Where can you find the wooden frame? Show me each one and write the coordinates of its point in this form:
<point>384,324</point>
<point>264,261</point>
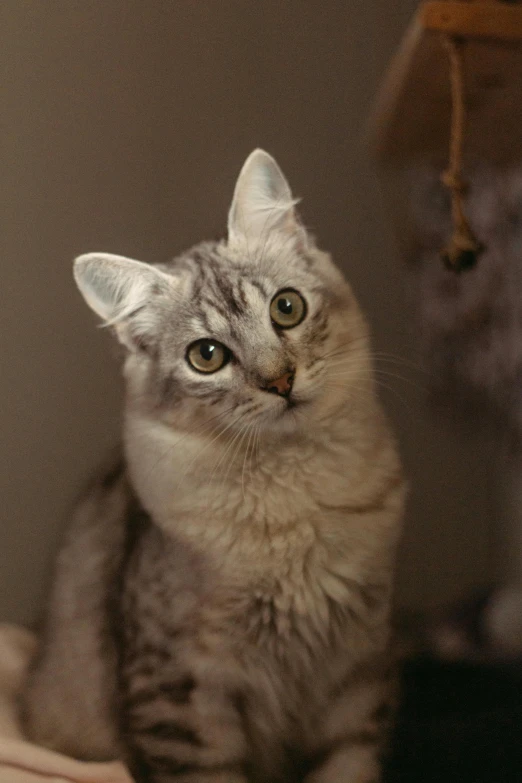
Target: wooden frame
<point>411,118</point>
<point>473,20</point>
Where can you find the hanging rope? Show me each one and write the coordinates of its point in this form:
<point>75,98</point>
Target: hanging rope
<point>463,248</point>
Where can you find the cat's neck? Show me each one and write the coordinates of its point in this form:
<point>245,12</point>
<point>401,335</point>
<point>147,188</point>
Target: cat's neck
<point>180,475</point>
<point>271,511</point>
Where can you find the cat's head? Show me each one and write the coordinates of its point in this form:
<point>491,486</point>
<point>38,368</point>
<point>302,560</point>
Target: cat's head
<point>259,328</point>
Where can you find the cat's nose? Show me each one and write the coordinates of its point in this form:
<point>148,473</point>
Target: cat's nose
<point>282,385</point>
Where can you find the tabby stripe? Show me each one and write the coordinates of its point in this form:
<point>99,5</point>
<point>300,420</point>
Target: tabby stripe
<point>383,712</point>
<point>170,766</point>
<point>260,287</point>
<point>168,730</point>
<point>241,292</point>
<point>177,692</point>
<point>150,696</point>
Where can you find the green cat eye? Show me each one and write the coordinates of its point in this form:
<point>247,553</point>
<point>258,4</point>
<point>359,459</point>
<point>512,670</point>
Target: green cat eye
<point>287,309</point>
<point>207,355</point>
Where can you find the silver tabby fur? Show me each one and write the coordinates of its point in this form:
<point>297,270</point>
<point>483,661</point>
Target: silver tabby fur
<point>220,611</point>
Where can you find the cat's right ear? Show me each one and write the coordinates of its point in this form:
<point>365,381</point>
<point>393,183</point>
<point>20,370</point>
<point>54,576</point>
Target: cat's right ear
<point>263,202</point>
<point>124,293</point>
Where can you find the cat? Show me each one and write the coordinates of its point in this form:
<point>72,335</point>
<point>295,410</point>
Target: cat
<point>220,609</point>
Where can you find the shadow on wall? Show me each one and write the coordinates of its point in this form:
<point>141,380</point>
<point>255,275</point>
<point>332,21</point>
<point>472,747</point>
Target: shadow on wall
<point>126,125</point>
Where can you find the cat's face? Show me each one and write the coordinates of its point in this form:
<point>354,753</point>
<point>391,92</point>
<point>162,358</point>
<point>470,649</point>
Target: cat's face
<point>258,331</point>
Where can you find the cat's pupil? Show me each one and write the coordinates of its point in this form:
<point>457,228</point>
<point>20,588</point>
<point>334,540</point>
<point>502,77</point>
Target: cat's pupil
<point>207,351</point>
<point>284,305</point>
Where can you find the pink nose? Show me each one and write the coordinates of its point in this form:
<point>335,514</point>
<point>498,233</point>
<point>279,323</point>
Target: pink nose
<point>282,385</point>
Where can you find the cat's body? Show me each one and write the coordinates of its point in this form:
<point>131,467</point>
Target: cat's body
<point>227,618</point>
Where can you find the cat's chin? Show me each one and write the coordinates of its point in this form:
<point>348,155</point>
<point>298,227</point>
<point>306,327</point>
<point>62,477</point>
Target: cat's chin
<point>287,419</point>
<point>285,424</point>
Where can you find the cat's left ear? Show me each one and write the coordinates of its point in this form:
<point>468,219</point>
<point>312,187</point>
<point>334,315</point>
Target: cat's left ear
<point>262,202</point>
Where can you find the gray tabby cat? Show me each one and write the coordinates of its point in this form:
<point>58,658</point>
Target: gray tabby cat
<point>220,610</point>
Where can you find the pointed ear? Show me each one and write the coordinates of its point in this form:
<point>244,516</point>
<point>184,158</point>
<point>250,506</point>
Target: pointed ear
<point>262,201</point>
<point>124,293</point>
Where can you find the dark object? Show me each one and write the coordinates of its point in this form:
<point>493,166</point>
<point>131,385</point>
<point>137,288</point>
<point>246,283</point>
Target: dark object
<point>464,260</point>
<point>459,723</point>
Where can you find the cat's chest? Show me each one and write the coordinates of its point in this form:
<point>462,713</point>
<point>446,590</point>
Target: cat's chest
<point>278,502</point>
<point>272,541</point>
<point>276,590</point>
<point>274,618</point>
<point>174,600</point>
<point>269,534</point>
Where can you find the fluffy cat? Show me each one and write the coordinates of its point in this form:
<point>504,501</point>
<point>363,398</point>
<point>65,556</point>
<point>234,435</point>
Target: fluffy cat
<point>220,610</point>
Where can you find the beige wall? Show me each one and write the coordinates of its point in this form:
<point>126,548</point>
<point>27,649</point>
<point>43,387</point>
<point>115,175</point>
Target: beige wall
<point>123,127</point>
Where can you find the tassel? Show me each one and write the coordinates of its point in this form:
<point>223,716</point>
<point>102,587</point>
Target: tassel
<point>463,248</point>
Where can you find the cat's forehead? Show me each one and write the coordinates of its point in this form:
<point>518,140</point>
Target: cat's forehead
<point>227,295</point>
<point>231,276</point>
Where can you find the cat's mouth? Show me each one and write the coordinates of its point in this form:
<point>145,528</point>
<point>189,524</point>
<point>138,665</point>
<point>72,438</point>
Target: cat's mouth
<point>291,404</point>
<point>283,408</point>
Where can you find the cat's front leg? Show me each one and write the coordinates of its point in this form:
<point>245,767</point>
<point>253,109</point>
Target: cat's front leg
<point>355,729</point>
<point>185,732</point>
<point>355,762</point>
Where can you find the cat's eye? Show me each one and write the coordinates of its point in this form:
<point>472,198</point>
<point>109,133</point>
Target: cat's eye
<point>287,309</point>
<point>207,355</point>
